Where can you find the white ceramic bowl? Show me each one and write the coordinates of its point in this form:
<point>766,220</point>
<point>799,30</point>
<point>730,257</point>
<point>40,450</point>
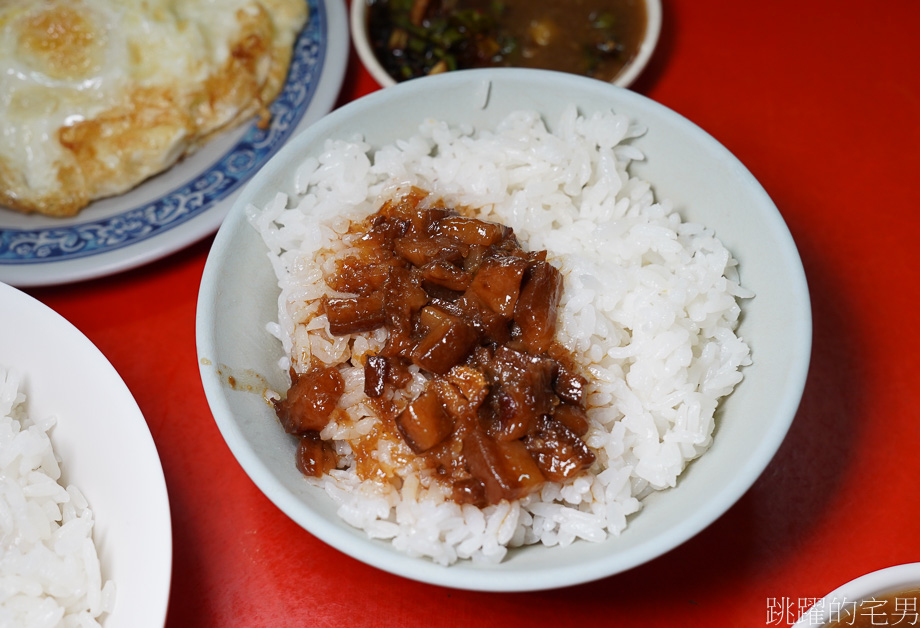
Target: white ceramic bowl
<point>625,78</point>
<point>834,605</point>
<point>105,448</point>
<point>239,295</point>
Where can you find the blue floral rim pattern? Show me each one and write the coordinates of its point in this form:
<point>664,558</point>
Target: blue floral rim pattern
<point>36,246</point>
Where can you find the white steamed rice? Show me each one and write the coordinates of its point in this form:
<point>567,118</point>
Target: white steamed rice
<point>49,567</point>
<point>650,308</point>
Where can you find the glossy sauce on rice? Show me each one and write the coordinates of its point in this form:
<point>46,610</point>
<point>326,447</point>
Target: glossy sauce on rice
<point>649,312</point>
<point>503,410</point>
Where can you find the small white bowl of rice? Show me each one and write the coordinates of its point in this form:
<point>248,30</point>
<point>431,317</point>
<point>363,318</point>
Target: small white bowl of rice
<point>684,304</point>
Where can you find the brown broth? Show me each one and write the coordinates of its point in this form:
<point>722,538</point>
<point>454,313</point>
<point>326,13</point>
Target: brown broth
<point>596,38</point>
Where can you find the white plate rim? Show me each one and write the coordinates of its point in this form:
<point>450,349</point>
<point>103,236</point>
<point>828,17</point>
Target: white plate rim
<point>40,251</point>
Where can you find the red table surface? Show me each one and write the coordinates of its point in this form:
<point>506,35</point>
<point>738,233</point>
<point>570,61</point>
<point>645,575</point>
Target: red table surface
<point>820,100</point>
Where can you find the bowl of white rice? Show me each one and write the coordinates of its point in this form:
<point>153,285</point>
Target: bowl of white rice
<point>684,303</point>
<point>85,531</point>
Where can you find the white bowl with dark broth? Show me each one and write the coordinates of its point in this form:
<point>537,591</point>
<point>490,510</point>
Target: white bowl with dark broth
<point>242,361</point>
<point>887,597</point>
<point>611,40</point>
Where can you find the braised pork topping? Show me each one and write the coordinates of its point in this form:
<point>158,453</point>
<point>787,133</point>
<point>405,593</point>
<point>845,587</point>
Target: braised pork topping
<point>504,407</point>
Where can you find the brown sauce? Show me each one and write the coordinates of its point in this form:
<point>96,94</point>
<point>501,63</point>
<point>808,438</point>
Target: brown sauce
<point>895,609</point>
<point>504,407</point>
<point>596,38</point>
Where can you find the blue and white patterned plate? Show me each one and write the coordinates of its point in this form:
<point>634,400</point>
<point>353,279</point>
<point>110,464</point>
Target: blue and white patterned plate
<point>189,201</point>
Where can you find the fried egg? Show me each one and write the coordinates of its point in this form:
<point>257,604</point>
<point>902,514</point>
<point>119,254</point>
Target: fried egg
<point>98,95</point>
